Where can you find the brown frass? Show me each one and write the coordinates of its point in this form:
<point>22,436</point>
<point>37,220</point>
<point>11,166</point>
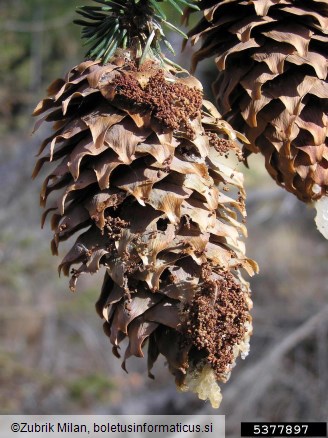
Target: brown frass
<point>172,104</point>
<point>216,321</point>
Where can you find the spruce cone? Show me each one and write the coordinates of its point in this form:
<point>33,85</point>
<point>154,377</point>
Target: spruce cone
<point>272,83</point>
<point>140,169</point>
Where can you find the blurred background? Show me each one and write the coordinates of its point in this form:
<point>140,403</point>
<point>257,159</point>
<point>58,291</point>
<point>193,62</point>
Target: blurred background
<point>54,357</point>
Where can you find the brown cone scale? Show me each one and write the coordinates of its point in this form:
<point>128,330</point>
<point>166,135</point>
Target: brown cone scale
<point>272,83</point>
<point>140,173</point>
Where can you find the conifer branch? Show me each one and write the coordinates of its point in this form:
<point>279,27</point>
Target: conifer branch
<point>134,24</point>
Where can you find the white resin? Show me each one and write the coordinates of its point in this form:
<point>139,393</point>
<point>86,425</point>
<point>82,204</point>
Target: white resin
<point>203,383</point>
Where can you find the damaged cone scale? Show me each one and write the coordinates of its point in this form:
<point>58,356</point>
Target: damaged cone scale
<point>138,169</point>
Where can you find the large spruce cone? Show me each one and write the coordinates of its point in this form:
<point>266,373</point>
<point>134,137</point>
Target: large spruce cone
<point>141,171</point>
<point>272,83</point>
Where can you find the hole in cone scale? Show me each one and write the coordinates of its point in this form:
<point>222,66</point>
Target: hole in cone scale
<point>162,224</point>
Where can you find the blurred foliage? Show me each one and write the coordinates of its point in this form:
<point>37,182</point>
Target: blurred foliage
<point>91,387</point>
<point>38,41</point>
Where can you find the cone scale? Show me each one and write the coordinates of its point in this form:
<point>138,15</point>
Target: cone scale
<point>139,171</point>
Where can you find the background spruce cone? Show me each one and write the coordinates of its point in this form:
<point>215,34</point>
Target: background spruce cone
<point>272,83</point>
<point>141,170</point>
